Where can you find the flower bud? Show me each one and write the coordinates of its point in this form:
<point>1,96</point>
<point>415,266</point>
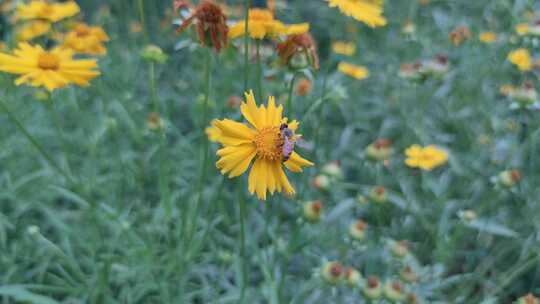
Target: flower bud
<point>467,215</point>
<point>332,272</point>
<point>154,122</point>
<point>352,276</point>
<point>225,256</point>
<point>373,289</point>
<point>321,182</point>
<point>400,249</point>
<point>408,275</point>
<point>362,199</point>
<point>393,291</point>
<point>357,230</point>
<point>509,178</point>
<point>528,299</point>
<point>378,194</point>
<point>333,169</point>
<point>313,210</point>
<point>380,150</point>
<point>154,53</point>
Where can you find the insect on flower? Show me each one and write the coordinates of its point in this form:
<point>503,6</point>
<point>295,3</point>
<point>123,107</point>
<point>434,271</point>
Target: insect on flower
<point>289,140</point>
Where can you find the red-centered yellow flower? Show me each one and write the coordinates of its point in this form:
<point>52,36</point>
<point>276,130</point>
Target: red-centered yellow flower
<point>53,12</point>
<point>86,39</point>
<point>521,58</point>
<point>425,158</point>
<point>262,142</point>
<point>261,24</point>
<point>355,71</point>
<point>33,30</point>
<point>366,11</point>
<point>50,69</point>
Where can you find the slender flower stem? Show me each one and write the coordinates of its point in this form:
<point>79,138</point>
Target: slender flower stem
<point>289,104</point>
<point>33,141</point>
<point>143,21</point>
<point>153,91</point>
<point>259,72</point>
<point>246,44</point>
<point>242,211</point>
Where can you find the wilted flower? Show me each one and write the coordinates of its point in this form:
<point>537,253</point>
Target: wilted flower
<point>154,53</point>
<point>509,178</point>
<point>357,230</point>
<point>210,20</point>
<point>332,272</point>
<point>488,37</point>
<point>521,58</point>
<point>261,24</point>
<point>459,35</point>
<point>303,87</point>
<point>373,289</point>
<point>344,48</point>
<point>355,71</point>
<point>313,210</point>
<point>378,194</point>
<point>425,158</point>
<point>366,11</point>
<point>262,142</point>
<point>50,69</point>
<point>352,276</point>
<point>393,291</point>
<point>380,150</point>
<point>299,51</point>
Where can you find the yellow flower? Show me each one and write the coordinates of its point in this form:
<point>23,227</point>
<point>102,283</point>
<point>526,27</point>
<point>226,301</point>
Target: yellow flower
<point>213,132</point>
<point>367,11</point>
<point>33,30</point>
<point>344,48</point>
<point>522,29</point>
<point>521,58</point>
<point>356,71</point>
<point>51,69</point>
<point>86,39</point>
<point>262,142</point>
<point>425,158</point>
<point>488,37</point>
<point>261,24</point>
<point>53,12</point>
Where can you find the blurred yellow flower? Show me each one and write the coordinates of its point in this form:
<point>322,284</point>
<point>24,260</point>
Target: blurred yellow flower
<point>33,30</point>
<point>522,29</point>
<point>521,58</point>
<point>366,11</point>
<point>344,48</point>
<point>261,24</point>
<point>487,37</point>
<point>356,71</point>
<point>213,132</point>
<point>53,12</point>
<point>86,39</point>
<point>264,141</point>
<point>425,158</point>
<point>50,69</point>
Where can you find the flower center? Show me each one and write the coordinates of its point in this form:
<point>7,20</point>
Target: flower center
<point>268,143</point>
<point>82,31</point>
<point>48,61</point>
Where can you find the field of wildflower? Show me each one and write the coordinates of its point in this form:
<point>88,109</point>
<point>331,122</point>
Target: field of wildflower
<point>251,151</point>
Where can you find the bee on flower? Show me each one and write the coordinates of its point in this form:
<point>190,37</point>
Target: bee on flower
<point>268,142</point>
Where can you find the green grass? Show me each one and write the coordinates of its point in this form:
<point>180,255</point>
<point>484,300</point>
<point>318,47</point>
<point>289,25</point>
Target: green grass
<point>126,224</point>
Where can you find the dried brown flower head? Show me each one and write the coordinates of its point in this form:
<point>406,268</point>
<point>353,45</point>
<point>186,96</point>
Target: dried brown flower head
<point>299,44</point>
<point>209,19</point>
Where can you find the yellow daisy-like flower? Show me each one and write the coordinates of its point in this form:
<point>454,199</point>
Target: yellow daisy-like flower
<point>488,37</point>
<point>356,71</point>
<point>213,132</point>
<point>425,158</point>
<point>261,24</point>
<point>521,58</point>
<point>53,12</point>
<point>263,142</point>
<point>344,48</point>
<point>50,69</point>
<point>33,30</point>
<point>86,39</point>
<point>522,29</point>
<point>367,11</point>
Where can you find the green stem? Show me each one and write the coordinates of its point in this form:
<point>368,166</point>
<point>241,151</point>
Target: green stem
<point>153,91</point>
<point>259,72</point>
<point>290,97</point>
<point>246,44</point>
<point>143,22</point>
<point>244,263</point>
<point>33,141</point>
